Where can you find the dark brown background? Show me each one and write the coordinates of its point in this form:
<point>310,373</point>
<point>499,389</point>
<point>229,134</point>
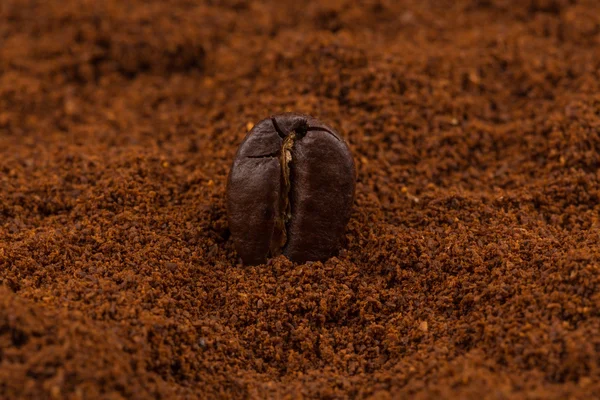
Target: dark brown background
<point>472,266</point>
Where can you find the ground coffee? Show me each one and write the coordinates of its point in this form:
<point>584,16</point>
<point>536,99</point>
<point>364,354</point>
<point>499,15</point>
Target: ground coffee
<point>471,268</point>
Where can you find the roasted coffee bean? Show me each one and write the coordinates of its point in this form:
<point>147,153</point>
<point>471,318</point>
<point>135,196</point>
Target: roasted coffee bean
<point>290,190</point>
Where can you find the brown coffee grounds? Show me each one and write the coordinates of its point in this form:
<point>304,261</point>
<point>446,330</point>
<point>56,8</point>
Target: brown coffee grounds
<point>472,260</point>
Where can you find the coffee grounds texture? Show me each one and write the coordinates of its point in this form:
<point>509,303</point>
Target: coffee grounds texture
<point>471,264</point>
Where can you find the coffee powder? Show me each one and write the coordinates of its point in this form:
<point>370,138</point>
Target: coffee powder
<point>471,260</point>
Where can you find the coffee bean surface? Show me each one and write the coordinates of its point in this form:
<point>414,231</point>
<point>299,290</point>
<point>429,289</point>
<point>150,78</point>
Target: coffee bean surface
<point>290,190</point>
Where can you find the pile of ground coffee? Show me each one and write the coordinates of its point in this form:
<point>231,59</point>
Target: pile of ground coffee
<point>471,266</point>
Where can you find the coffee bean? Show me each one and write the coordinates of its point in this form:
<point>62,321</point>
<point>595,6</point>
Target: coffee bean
<point>290,190</point>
